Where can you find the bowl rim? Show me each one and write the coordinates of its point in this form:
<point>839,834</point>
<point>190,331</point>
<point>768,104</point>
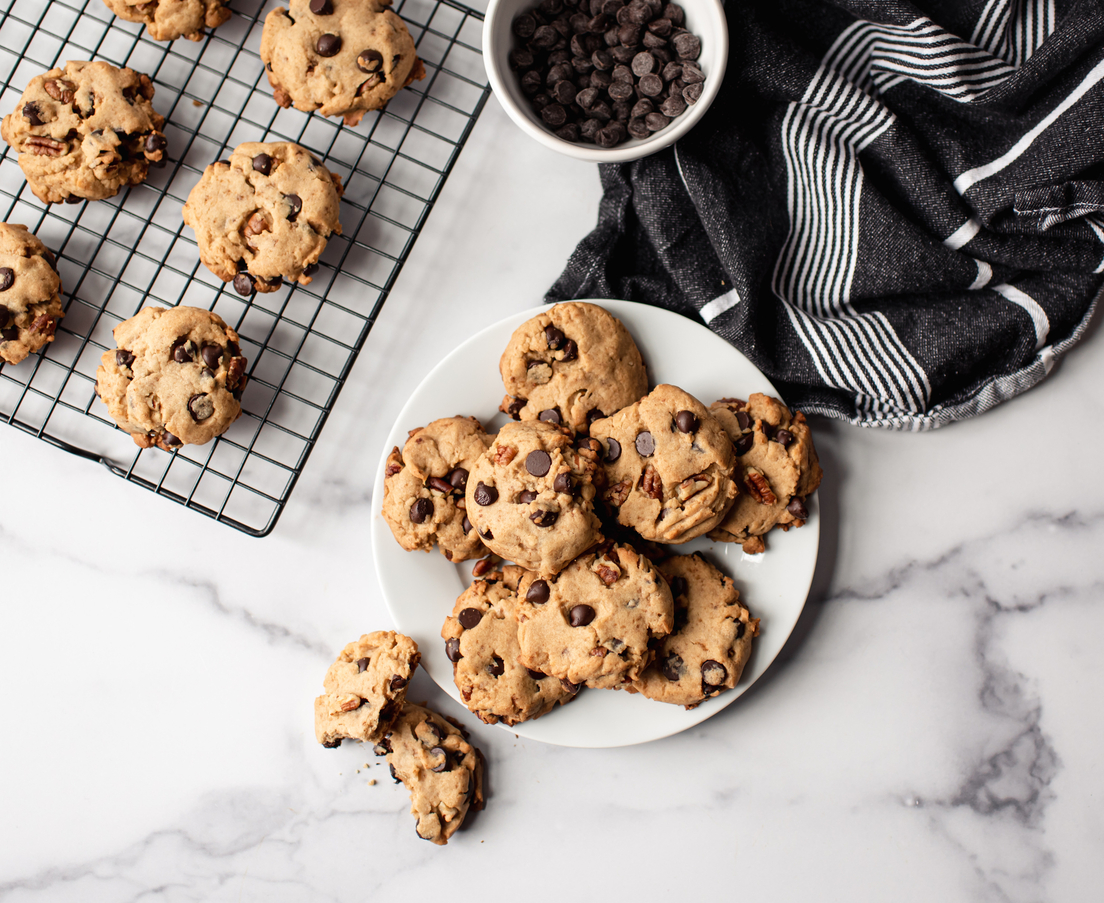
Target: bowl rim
<point>714,22</point>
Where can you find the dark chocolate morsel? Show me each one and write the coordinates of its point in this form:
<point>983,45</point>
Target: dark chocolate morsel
<point>581,615</point>
<point>458,478</point>
<point>538,462</point>
<point>536,675</point>
<point>156,142</point>
<point>211,354</point>
<point>743,419</point>
<point>563,483</point>
<point>398,682</point>
<point>544,518</point>
<point>469,617</point>
<point>444,764</point>
<point>552,415</point>
<point>714,674</point>
<point>295,203</point>
<point>440,485</point>
<point>170,439</point>
<point>7,278</point>
<point>537,592</point>
<point>180,352</point>
<point>687,421</point>
<point>496,667</point>
<point>678,586</point>
<point>526,496</point>
<point>32,113</point>
<point>321,7</point>
<point>452,650</point>
<point>613,450</point>
<point>784,438</point>
<point>743,445</point>
<point>645,444</point>
<point>362,665</point>
<point>466,526</point>
<point>797,508</point>
<point>123,358</point>
<point>328,45</point>
<point>370,61</point>
<point>485,495</point>
<point>672,667</point>
<point>420,510</point>
<point>200,406</point>
<point>262,163</point>
<point>243,285</point>
<point>570,351</point>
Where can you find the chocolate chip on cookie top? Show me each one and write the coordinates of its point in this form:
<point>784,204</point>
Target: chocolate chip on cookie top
<point>30,306</point>
<point>264,215</point>
<point>572,364</point>
<point>176,378</point>
<point>339,57</point>
<point>85,131</point>
<point>596,622</point>
<point>167,20</point>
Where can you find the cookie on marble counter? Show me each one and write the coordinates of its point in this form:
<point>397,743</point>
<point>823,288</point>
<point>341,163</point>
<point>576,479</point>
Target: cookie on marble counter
<point>423,488</point>
<point>176,378</point>
<point>264,215</point>
<point>571,364</point>
<point>30,305</point>
<point>167,20</point>
<point>776,465</point>
<point>481,642</point>
<point>706,652</point>
<point>531,496</point>
<point>85,131</point>
<point>668,465</point>
<point>442,770</point>
<point>365,688</point>
<point>597,622</point>
<point>339,57</point>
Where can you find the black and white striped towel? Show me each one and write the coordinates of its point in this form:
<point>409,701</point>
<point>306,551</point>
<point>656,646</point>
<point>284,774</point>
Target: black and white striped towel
<point>894,209</point>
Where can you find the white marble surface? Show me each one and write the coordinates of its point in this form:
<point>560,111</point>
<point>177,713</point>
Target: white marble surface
<point>930,732</point>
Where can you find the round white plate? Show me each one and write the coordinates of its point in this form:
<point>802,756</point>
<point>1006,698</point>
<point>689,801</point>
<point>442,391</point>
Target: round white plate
<point>420,588</point>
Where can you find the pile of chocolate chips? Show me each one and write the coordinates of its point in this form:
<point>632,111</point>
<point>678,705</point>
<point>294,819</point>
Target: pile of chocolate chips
<point>605,70</point>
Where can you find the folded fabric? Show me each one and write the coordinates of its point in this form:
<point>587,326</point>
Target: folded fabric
<point>895,210</point>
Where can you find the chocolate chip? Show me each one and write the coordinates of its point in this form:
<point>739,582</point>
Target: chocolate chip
<point>328,45</point>
<point>201,407</point>
<point>156,142</point>
<point>32,113</point>
<point>420,510</point>
<point>211,354</point>
<point>243,285</point>
<point>687,422</point>
<point>485,495</point>
<point>526,497</point>
<point>486,534</point>
<point>743,420</point>
<point>613,450</point>
<point>537,592</point>
<point>743,445</point>
<point>678,586</point>
<point>458,478</point>
<point>371,61</point>
<point>295,203</point>
<point>784,438</point>
<point>581,615</point>
<point>331,744</point>
<point>544,518</point>
<point>645,444</point>
<point>687,46</point>
<point>538,462</point>
<point>398,682</point>
<point>180,352</point>
<point>496,667</point>
<point>714,674</point>
<point>444,764</point>
<point>170,439</point>
<point>554,337</point>
<point>10,334</point>
<point>7,278</point>
<point>536,675</point>
<point>797,508</point>
<point>552,415</point>
<point>672,667</point>
<point>469,617</point>
<point>452,650</point>
<point>569,686</point>
<point>563,482</point>
<point>466,526</point>
<point>321,7</point>
<point>440,485</point>
<point>362,665</point>
<point>6,318</point>
<point>571,351</point>
<point>262,163</point>
<point>692,93</point>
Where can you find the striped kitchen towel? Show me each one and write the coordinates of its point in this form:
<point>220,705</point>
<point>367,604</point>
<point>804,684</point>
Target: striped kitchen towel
<point>894,209</point>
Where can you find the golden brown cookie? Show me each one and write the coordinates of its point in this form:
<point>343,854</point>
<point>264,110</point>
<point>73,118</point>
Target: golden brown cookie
<point>30,306</point>
<point>167,20</point>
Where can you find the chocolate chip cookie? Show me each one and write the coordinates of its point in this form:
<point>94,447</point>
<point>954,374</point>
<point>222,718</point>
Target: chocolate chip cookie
<point>596,623</point>
<point>264,215</point>
<point>85,131</point>
<point>531,496</point>
<point>440,768</point>
<point>176,378</point>
<point>571,364</point>
<point>668,465</point>
<point>30,306</point>
<point>167,20</point>
<point>339,57</point>
<point>365,688</point>
<point>776,465</point>
<point>423,488</point>
<point>481,642</point>
<point>706,652</point>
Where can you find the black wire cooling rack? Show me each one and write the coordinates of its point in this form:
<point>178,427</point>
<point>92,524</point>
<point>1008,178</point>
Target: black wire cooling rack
<point>117,256</point>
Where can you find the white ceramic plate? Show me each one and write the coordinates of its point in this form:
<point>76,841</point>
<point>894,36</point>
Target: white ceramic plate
<point>420,588</point>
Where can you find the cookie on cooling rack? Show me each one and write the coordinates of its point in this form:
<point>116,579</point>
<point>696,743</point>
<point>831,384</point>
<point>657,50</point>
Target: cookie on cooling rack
<point>167,20</point>
<point>85,131</point>
<point>339,57</point>
<point>30,306</point>
<point>176,378</point>
<point>264,215</point>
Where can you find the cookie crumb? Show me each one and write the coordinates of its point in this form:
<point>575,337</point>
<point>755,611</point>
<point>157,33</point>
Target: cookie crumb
<point>372,782</point>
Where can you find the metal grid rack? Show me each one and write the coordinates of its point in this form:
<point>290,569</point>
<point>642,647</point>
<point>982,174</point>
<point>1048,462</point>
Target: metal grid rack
<point>119,255</point>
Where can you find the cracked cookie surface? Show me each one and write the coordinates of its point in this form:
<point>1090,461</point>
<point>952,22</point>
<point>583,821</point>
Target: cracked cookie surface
<point>571,364</point>
<point>424,484</point>
<point>365,688</point>
<point>30,305</point>
<point>85,131</point>
<point>776,465</point>
<point>264,215</point>
<point>339,57</point>
<point>167,20</point>
<point>176,378</point>
<point>668,464</point>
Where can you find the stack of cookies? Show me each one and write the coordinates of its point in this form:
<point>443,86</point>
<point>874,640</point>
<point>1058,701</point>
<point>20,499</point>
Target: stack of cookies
<point>582,497</point>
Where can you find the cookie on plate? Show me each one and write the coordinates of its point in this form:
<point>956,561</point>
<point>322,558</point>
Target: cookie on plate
<point>176,378</point>
<point>339,57</point>
<point>85,131</point>
<point>597,622</point>
<point>776,465</point>
<point>531,496</point>
<point>423,488</point>
<point>706,652</point>
<point>365,688</point>
<point>264,215</point>
<point>572,363</point>
<point>30,306</point>
<point>442,770</point>
<point>668,465</point>
<point>481,642</point>
<point>167,20</point>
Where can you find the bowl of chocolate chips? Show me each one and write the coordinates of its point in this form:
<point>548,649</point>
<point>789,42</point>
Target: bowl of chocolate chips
<point>605,80</point>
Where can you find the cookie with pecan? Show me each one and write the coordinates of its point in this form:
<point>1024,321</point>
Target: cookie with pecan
<point>30,306</point>
<point>167,20</point>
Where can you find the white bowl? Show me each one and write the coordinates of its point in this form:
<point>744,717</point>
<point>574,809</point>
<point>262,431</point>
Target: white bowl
<point>704,18</point>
